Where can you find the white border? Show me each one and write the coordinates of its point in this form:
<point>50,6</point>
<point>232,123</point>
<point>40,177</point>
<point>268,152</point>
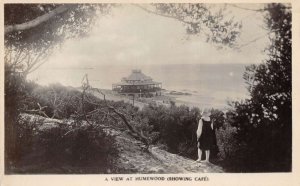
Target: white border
<point>241,179</point>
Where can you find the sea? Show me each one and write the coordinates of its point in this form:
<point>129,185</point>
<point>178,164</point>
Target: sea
<point>209,85</point>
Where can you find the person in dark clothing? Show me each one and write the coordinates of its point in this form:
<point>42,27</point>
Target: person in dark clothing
<point>205,135</point>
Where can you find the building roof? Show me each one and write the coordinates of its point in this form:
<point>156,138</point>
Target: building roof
<point>137,75</point>
<point>137,78</point>
<point>137,83</point>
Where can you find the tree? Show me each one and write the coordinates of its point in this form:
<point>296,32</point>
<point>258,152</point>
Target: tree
<point>264,122</point>
<point>207,20</point>
<point>32,31</point>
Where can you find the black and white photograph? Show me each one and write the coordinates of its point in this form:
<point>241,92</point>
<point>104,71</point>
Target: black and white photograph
<point>147,88</point>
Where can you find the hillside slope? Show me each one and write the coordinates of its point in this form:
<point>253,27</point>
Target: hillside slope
<point>133,158</point>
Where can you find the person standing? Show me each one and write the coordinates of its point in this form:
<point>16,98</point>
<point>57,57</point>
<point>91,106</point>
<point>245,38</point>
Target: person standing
<point>205,135</point>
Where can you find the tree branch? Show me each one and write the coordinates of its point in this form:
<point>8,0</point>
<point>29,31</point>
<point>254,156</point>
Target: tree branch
<point>125,121</point>
<point>163,15</point>
<point>253,40</point>
<point>38,111</point>
<point>256,10</point>
<point>37,21</point>
<point>134,132</point>
<point>39,60</point>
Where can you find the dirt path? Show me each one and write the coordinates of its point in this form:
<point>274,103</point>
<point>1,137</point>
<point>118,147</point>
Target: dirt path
<point>134,160</point>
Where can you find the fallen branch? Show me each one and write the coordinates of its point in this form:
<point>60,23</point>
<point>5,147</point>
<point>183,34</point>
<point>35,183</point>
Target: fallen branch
<point>39,111</point>
<point>134,132</point>
<point>124,119</point>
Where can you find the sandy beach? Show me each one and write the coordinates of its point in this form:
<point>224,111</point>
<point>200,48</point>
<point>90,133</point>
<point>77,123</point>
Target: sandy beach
<point>188,98</point>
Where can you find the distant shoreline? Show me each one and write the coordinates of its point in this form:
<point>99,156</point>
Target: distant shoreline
<point>168,96</point>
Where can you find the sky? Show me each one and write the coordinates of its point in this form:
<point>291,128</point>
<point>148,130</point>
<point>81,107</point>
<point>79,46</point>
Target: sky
<point>132,37</point>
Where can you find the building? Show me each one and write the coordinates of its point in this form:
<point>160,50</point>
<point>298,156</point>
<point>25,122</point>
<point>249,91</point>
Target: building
<point>138,84</point>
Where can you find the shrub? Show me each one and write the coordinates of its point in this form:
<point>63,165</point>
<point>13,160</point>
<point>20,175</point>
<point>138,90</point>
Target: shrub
<point>59,101</point>
<point>176,127</point>
<point>51,147</point>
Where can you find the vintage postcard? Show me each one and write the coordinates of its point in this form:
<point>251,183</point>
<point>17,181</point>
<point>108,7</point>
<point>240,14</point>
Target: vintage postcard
<point>104,93</point>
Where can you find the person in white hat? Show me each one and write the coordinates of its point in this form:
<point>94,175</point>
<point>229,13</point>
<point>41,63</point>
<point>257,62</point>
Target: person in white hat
<point>205,135</point>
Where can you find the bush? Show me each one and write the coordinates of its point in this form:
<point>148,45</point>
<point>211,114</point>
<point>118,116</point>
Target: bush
<point>229,147</point>
<point>30,149</point>
<point>51,147</point>
<point>59,101</point>
<point>266,144</point>
<point>176,127</point>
